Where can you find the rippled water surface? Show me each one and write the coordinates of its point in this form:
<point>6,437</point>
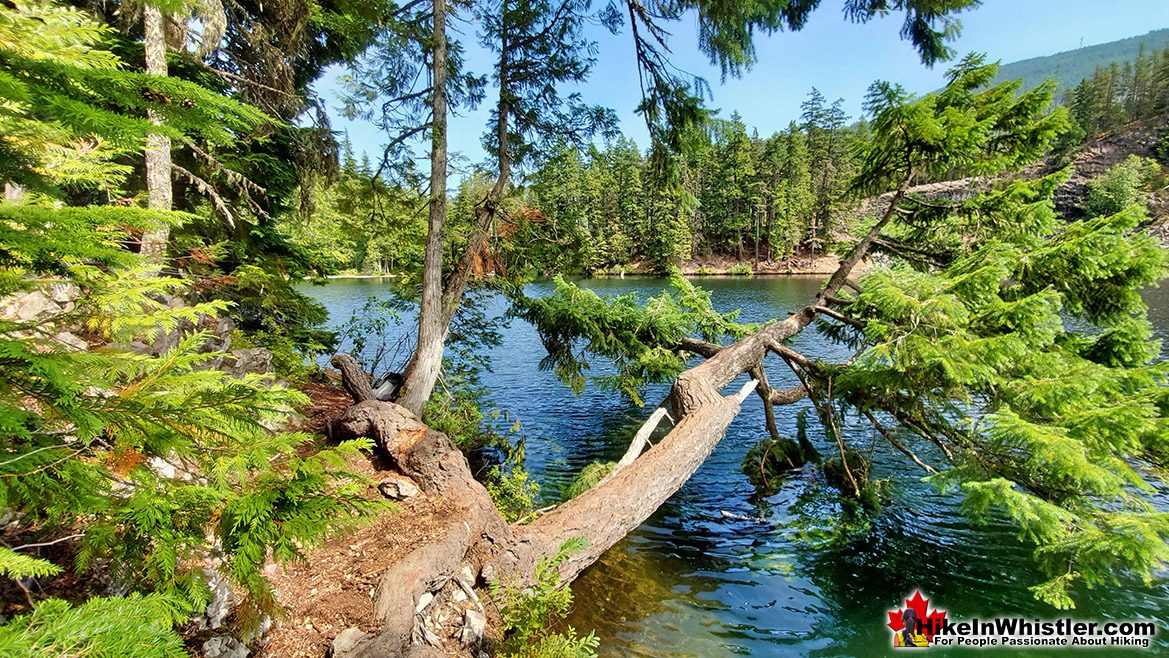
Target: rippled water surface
<point>717,572</point>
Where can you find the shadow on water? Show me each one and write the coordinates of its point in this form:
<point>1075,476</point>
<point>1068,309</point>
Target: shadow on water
<point>717,571</point>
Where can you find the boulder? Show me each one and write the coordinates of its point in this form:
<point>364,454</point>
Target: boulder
<point>397,488</point>
<point>249,360</point>
<point>347,641</point>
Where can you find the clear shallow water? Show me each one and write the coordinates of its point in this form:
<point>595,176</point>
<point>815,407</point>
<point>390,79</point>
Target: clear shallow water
<point>692,581</point>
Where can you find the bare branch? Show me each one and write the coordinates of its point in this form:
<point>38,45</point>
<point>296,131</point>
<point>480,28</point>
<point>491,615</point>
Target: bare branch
<point>206,189</point>
<point>837,315</point>
<point>699,347</point>
<point>893,441</point>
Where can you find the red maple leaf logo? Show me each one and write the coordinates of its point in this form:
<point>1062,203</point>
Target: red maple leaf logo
<point>931,620</point>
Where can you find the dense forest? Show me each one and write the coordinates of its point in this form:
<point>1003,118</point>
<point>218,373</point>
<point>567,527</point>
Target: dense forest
<point>1069,67</point>
<point>742,203</point>
<point>173,447</point>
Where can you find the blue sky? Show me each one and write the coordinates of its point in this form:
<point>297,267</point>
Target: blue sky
<point>839,58</point>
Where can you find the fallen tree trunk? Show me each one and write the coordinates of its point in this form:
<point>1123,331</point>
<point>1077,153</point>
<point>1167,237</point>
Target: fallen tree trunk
<point>606,513</point>
<point>477,535</point>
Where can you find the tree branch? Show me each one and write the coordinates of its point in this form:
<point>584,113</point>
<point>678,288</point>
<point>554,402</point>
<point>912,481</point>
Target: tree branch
<point>837,315</point>
<point>353,378</point>
<point>699,347</point>
<point>885,432</point>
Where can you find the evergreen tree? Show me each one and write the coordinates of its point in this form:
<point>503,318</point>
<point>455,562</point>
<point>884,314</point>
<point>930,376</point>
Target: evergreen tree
<point>155,467</point>
<point>1004,352</point>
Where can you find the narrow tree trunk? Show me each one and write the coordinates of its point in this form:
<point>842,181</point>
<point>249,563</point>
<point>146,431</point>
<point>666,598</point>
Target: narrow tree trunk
<point>440,302</point>
<point>476,535</point>
<point>423,370</point>
<point>769,232</point>
<point>758,221</point>
<point>158,159</point>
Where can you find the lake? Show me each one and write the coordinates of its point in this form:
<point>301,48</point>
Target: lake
<point>769,577</point>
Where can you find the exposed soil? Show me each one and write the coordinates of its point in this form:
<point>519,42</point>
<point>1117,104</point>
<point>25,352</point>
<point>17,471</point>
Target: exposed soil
<point>328,401</point>
<point>334,587</point>
<point>717,265</point>
<point>68,585</point>
<point>799,264</point>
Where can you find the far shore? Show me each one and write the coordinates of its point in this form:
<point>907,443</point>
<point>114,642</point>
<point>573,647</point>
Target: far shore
<point>820,266</point>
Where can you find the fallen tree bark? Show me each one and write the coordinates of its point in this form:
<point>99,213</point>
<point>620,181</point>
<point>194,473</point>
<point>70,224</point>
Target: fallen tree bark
<point>477,535</point>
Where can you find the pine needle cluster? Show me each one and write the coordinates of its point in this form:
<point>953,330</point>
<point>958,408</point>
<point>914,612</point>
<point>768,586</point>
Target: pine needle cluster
<point>165,470</point>
<point>1012,349</point>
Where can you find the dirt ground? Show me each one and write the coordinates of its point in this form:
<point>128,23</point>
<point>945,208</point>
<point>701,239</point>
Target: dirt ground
<point>333,588</point>
<point>803,264</point>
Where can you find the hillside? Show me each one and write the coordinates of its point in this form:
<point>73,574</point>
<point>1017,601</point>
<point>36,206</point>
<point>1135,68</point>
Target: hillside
<point>1071,66</point>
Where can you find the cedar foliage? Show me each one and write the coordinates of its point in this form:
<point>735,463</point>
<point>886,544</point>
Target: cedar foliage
<point>643,342</point>
<point>159,466</point>
<point>1019,358</point>
<point>1005,348</point>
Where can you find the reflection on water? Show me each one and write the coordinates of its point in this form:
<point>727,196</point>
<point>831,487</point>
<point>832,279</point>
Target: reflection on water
<point>771,579</point>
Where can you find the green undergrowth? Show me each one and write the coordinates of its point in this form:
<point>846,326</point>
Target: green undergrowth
<point>529,613</point>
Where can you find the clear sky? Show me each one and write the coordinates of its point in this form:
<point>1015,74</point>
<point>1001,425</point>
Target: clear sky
<point>841,59</point>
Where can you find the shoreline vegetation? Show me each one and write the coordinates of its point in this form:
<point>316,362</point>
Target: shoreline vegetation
<point>170,177</point>
<point>699,267</point>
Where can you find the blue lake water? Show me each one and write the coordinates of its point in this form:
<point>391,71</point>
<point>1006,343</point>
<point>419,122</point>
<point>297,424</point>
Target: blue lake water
<point>765,578</point>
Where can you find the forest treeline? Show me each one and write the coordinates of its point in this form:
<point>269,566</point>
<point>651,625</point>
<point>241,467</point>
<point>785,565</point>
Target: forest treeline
<point>171,180</point>
<point>1119,93</point>
<point>155,157</point>
<point>737,196</point>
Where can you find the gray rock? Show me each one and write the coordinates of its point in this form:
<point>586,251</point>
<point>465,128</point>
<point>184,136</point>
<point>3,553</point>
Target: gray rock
<point>71,341</point>
<point>250,360</point>
<point>467,575</point>
<point>423,602</point>
<point>397,488</point>
<point>260,635</point>
<point>347,641</point>
<point>219,330</point>
<point>487,575</point>
<point>221,603</point>
<point>474,628</point>
<point>64,292</point>
<point>31,306</point>
<point>168,341</point>
<point>224,646</point>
